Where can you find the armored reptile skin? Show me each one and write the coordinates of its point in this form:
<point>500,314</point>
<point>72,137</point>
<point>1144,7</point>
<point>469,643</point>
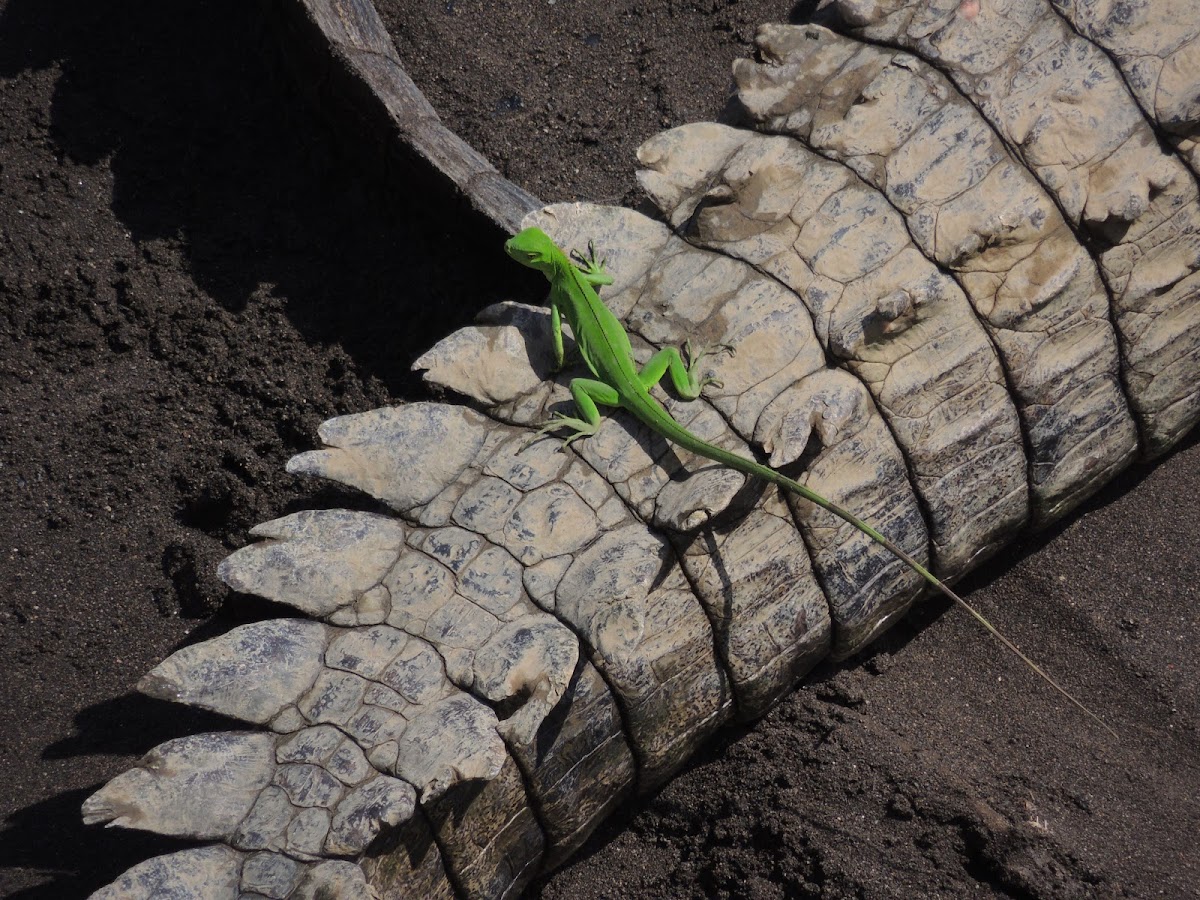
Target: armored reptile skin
<point>969,305</point>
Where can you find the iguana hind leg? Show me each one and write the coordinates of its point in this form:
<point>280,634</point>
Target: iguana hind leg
<point>684,379</point>
<point>588,394</point>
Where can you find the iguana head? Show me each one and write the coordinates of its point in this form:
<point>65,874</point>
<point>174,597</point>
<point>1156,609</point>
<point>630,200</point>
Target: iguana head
<point>533,247</point>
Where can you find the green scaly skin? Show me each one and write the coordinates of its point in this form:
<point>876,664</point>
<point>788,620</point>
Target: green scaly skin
<point>605,348</point>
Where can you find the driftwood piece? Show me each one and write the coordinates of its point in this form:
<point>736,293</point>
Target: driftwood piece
<point>342,51</point>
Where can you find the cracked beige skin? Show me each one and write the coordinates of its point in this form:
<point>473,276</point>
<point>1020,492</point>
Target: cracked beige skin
<point>527,637</point>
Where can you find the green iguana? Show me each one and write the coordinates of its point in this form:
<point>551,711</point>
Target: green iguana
<point>606,350</point>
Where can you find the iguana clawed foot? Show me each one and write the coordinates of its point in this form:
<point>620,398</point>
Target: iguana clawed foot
<point>694,358</point>
<point>579,428</point>
<point>593,269</point>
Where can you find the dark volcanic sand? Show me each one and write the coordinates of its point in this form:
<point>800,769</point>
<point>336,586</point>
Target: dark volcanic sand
<point>193,276</point>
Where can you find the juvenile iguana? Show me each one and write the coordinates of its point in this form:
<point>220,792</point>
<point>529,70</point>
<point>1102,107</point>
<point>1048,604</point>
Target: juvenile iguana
<point>606,350</point>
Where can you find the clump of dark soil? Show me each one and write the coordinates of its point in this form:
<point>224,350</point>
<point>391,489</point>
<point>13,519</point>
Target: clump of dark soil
<point>194,274</point>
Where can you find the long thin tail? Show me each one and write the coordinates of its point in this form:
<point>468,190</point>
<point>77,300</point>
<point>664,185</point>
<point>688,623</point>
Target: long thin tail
<point>689,441</point>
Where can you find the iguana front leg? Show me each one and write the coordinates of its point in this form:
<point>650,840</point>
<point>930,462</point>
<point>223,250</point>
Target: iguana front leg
<point>591,269</point>
<point>556,336</point>
<point>683,375</point>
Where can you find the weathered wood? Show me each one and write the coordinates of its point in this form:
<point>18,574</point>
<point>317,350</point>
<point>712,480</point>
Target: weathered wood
<point>344,55</point>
